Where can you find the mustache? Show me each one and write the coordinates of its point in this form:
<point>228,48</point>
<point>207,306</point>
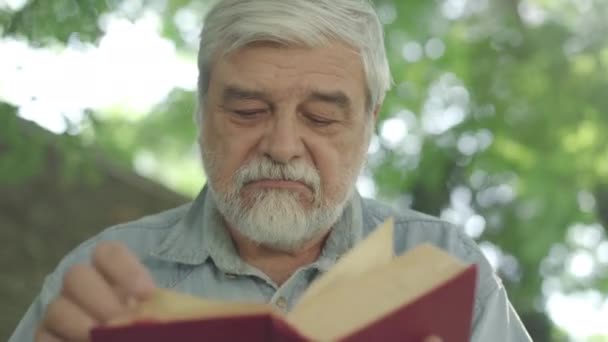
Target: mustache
<point>267,169</point>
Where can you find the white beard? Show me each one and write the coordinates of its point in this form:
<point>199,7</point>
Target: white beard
<point>275,218</point>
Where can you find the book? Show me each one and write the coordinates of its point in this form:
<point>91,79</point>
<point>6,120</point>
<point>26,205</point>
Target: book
<point>368,295</point>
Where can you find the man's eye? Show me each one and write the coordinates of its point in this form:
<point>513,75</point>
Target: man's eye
<point>318,121</point>
<point>248,113</point>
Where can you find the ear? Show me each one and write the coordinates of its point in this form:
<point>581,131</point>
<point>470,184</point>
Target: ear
<point>376,113</point>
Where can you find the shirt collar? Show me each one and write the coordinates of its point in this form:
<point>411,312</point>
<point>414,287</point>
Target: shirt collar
<point>184,242</point>
<point>201,235</point>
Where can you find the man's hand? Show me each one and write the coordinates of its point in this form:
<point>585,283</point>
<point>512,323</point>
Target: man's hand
<point>93,294</point>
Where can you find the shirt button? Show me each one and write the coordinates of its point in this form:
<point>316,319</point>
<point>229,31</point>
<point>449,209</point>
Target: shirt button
<point>281,303</point>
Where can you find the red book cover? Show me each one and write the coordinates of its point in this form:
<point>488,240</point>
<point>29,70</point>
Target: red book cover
<point>262,327</point>
<point>445,311</point>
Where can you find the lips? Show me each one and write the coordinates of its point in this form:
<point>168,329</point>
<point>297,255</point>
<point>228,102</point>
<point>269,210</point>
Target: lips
<point>295,185</point>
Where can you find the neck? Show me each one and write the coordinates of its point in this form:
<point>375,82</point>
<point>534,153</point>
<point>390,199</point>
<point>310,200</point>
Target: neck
<point>277,264</point>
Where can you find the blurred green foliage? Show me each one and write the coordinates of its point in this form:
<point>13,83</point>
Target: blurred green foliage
<point>505,116</point>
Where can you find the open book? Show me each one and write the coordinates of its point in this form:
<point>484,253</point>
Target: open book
<point>369,295</point>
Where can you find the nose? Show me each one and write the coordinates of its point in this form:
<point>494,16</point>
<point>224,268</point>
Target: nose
<point>282,141</point>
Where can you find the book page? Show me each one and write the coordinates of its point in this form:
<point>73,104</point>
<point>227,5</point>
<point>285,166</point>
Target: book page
<point>167,305</point>
<point>375,250</point>
<point>354,303</point>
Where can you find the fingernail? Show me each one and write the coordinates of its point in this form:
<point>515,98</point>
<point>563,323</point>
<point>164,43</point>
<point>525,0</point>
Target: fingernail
<point>144,285</point>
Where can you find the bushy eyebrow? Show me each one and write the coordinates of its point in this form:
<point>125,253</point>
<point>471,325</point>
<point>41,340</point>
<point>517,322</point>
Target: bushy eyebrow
<point>233,92</point>
<point>337,98</point>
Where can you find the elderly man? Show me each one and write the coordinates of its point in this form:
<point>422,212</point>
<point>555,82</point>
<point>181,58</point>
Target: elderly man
<point>289,92</point>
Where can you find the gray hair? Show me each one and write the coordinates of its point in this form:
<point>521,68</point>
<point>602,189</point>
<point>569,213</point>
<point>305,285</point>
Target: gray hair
<point>234,24</point>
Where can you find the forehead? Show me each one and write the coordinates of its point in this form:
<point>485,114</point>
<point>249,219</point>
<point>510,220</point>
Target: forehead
<point>288,71</point>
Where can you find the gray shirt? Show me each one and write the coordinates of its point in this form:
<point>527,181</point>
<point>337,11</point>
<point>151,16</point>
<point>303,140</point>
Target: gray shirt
<point>188,249</point>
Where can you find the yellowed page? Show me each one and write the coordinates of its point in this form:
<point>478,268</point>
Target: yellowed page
<point>375,250</point>
<point>355,303</point>
<point>167,305</point>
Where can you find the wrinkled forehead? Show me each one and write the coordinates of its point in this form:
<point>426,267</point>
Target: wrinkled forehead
<point>277,69</point>
<point>233,24</point>
<point>295,68</point>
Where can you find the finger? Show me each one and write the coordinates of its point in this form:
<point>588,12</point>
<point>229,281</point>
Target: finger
<point>122,269</point>
<point>128,300</point>
<point>67,321</point>
<point>90,290</point>
<point>46,336</point>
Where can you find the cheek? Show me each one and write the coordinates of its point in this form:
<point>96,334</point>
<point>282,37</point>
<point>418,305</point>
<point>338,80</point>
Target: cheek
<point>338,165</point>
<point>343,159</point>
<point>229,148</point>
